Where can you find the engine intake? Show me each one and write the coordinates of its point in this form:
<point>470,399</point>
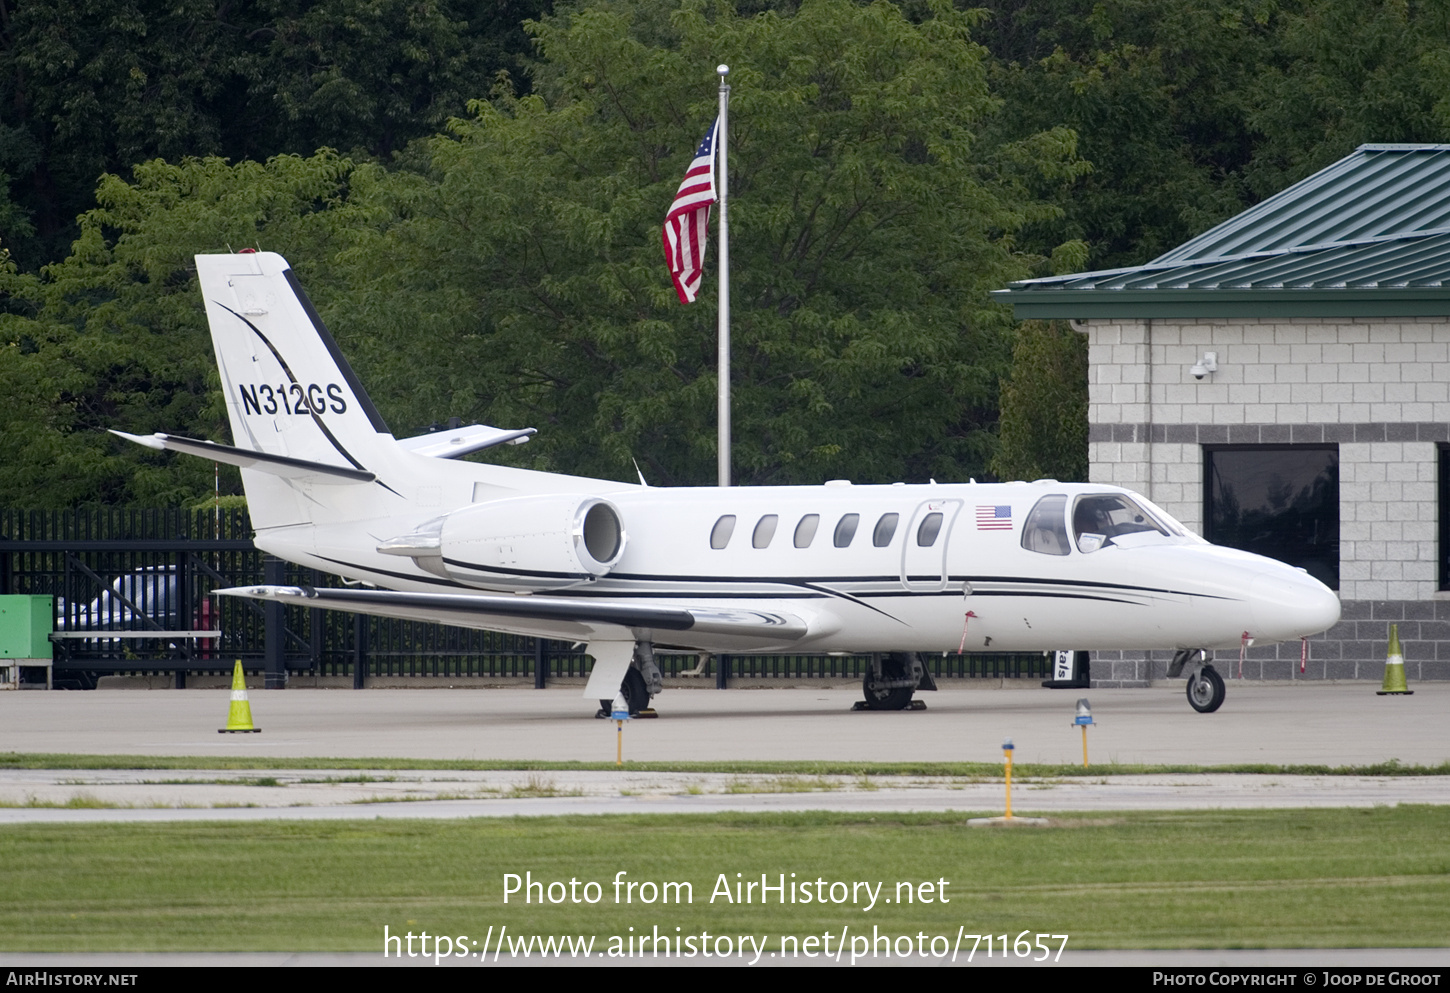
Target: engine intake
<point>544,542</point>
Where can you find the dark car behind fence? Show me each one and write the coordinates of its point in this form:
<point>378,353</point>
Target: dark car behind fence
<point>131,590</point>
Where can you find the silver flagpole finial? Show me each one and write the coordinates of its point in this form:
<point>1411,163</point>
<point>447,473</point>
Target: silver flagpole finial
<point>722,69</point>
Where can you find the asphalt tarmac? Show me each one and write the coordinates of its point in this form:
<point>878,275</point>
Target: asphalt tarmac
<point>1330,724</point>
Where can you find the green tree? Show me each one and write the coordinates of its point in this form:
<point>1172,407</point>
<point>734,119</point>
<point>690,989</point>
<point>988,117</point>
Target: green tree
<point>1044,406</point>
<point>518,277</point>
<point>115,336</point>
<point>1343,74</point>
<point>1155,91</point>
<point>513,273</point>
<point>95,86</point>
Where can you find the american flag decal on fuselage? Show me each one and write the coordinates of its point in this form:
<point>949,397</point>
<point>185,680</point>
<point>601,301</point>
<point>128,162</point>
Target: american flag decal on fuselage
<point>994,518</point>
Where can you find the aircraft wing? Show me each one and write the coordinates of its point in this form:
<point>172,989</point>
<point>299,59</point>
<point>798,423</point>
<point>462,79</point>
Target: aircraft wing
<point>567,617</point>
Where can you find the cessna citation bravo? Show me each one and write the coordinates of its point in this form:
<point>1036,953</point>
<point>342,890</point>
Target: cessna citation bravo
<point>893,571</point>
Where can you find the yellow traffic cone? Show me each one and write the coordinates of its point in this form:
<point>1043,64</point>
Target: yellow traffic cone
<point>239,717</point>
<point>1394,684</point>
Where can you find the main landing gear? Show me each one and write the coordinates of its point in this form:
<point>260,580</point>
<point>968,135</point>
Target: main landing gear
<point>891,679</point>
<point>1205,685</point>
<point>642,681</point>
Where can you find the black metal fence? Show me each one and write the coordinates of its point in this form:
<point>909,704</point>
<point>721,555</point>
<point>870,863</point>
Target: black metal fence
<point>132,595</point>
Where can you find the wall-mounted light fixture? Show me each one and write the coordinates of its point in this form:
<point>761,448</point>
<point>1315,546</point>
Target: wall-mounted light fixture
<point>1204,366</point>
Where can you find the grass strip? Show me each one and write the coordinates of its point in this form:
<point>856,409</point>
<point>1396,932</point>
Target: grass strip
<point>1189,879</point>
<point>58,760</point>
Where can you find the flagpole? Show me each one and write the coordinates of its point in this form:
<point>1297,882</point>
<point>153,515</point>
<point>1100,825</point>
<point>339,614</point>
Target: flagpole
<point>722,411</point>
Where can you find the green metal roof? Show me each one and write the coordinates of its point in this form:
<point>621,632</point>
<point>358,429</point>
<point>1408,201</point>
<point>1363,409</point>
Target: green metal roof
<point>1369,236</point>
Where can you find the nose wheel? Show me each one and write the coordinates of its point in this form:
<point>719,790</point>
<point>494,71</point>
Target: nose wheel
<point>1205,690</point>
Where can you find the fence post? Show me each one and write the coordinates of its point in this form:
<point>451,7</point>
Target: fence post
<point>722,671</point>
<point>359,650</point>
<point>274,574</point>
<point>541,664</point>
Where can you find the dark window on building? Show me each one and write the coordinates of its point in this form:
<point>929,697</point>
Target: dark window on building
<point>1445,517</point>
<point>1281,501</point>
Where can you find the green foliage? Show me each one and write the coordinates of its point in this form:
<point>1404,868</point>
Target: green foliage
<point>889,164</point>
<point>115,336</point>
<point>1154,91</point>
<point>1044,406</point>
<point>1192,110</point>
<point>514,274</point>
<point>93,86</point>
<point>524,279</point>
<point>1344,73</point>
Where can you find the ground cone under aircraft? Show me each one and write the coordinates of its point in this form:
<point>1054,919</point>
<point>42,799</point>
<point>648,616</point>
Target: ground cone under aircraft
<point>239,717</point>
<point>1394,684</point>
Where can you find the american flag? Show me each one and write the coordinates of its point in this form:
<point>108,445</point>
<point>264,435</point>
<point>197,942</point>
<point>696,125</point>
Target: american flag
<point>994,518</point>
<point>685,224</point>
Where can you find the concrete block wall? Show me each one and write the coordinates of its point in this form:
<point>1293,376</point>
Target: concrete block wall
<point>1378,389</point>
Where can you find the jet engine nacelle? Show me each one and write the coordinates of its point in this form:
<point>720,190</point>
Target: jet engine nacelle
<point>537,542</point>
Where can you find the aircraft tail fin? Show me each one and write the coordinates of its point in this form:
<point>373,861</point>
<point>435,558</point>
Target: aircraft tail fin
<point>290,394</point>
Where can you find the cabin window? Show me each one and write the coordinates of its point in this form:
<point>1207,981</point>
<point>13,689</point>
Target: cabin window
<point>885,530</point>
<point>1279,501</point>
<point>805,531</point>
<point>846,530</point>
<point>720,533</point>
<point>927,532</point>
<point>764,531</point>
<point>1046,528</point>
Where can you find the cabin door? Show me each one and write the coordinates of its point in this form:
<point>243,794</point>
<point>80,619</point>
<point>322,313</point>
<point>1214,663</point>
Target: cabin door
<point>924,554</point>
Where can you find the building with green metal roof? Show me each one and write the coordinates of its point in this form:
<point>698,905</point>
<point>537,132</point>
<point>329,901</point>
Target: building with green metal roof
<point>1282,383</point>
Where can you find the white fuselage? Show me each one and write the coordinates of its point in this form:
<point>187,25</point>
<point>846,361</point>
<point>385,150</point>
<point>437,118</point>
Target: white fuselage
<point>974,587</point>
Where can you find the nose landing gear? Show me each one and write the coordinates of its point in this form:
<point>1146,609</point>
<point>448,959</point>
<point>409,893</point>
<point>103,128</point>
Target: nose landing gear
<point>1205,685</point>
<point>1205,690</point>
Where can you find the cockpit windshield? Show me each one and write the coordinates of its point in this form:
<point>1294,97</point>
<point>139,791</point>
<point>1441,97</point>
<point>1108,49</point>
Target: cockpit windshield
<point>1098,520</point>
<point>1106,519</point>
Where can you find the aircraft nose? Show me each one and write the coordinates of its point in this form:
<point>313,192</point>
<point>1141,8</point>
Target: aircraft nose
<point>1290,604</point>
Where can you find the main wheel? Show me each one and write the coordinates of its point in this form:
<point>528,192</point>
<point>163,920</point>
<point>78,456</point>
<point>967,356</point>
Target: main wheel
<point>893,667</point>
<point>636,696</point>
<point>1205,690</point>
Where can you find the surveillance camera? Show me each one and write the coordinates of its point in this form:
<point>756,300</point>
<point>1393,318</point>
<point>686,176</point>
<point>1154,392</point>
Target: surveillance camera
<point>1205,365</point>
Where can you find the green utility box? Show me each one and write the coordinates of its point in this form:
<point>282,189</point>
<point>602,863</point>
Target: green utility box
<point>25,626</point>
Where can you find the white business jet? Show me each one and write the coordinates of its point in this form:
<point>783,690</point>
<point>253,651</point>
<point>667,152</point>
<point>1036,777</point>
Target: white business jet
<point>893,571</point>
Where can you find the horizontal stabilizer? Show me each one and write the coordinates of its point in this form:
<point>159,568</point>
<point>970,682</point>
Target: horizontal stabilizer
<point>456,442</point>
<point>277,465</point>
<point>465,609</point>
